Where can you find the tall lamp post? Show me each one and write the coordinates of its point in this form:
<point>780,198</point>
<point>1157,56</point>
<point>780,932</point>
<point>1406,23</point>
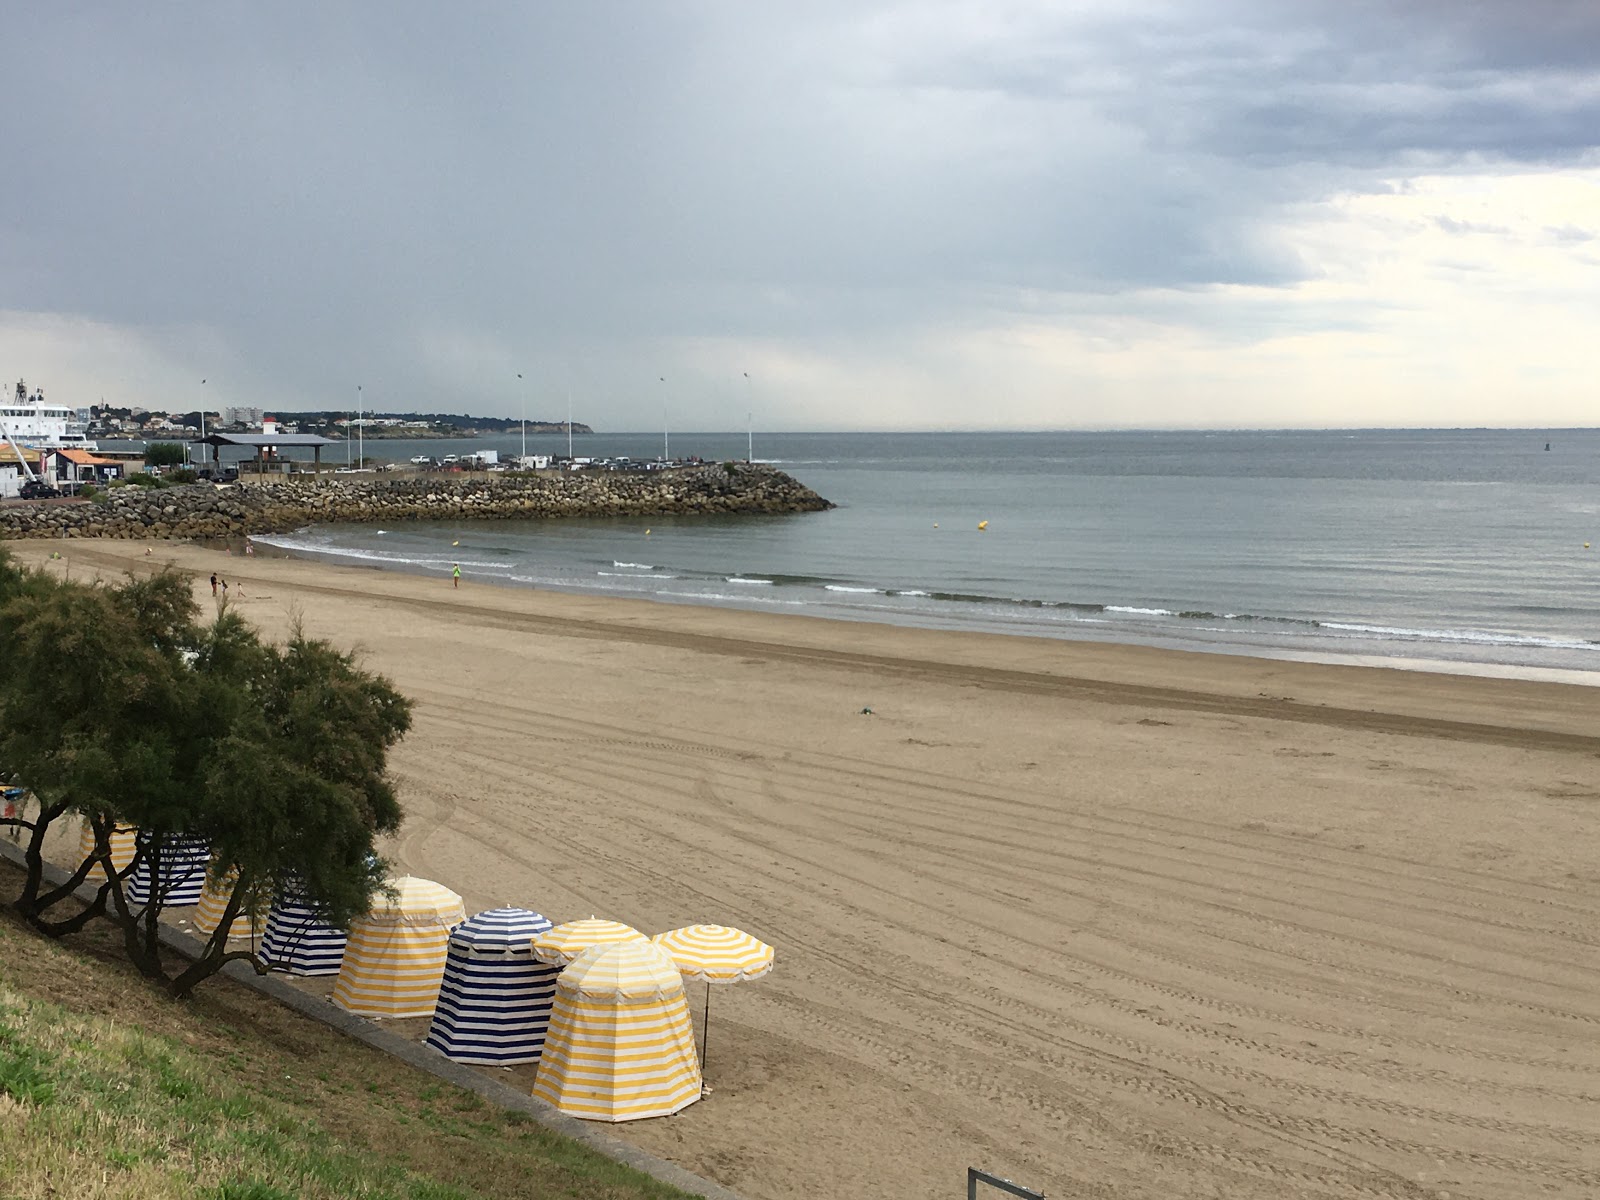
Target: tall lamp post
<point>361,429</point>
<point>749,428</point>
<point>666,441</point>
<point>522,389</point>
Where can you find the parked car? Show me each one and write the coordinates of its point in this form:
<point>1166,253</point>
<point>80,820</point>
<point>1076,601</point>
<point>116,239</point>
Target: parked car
<point>37,489</point>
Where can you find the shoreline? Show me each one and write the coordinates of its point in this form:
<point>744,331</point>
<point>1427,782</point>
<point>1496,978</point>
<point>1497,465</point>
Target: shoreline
<point>1061,662</point>
<point>1105,919</point>
<point>903,620</point>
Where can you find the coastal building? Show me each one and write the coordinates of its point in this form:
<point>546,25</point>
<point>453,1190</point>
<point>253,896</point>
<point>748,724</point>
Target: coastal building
<point>76,467</point>
<point>241,415</point>
<point>12,470</point>
<point>264,453</point>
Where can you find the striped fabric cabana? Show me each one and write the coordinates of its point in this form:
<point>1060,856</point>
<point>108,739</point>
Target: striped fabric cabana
<point>122,847</point>
<point>620,1046</point>
<point>494,1002</point>
<point>214,902</point>
<point>395,960</point>
<point>183,872</point>
<point>298,939</point>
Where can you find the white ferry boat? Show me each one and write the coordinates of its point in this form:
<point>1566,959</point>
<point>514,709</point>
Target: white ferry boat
<point>32,422</point>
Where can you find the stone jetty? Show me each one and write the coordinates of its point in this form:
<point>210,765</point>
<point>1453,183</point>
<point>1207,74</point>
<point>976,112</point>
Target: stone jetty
<point>204,511</point>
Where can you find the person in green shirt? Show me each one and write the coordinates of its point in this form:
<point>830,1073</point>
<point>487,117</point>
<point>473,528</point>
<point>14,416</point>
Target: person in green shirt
<point>456,576</point>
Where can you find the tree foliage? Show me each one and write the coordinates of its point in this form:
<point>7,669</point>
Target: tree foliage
<point>124,708</point>
<point>164,454</point>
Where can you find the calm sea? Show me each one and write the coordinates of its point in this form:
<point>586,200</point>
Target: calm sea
<point>1453,550</point>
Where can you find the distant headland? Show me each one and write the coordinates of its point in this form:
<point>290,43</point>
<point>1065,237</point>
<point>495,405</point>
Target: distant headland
<point>109,422</point>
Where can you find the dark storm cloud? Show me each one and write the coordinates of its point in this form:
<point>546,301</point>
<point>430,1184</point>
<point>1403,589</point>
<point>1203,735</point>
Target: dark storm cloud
<point>339,191</point>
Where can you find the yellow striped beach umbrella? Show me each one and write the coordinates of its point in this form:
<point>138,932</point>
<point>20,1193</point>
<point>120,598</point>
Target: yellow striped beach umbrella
<point>394,961</point>
<point>122,844</point>
<point>620,1046</point>
<point>214,902</point>
<point>716,954</point>
<point>564,943</point>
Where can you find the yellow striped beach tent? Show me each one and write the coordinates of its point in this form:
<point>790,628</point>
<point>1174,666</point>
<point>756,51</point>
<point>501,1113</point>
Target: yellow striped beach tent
<point>180,876</point>
<point>563,944</point>
<point>122,848</point>
<point>494,1003</point>
<point>394,961</point>
<point>620,1046</point>
<point>214,902</point>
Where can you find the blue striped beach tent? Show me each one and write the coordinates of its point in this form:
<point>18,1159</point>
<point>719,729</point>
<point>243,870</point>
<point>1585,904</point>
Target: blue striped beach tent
<point>182,875</point>
<point>494,1003</point>
<point>298,939</point>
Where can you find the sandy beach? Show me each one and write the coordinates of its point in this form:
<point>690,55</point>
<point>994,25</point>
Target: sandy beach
<point>1110,921</point>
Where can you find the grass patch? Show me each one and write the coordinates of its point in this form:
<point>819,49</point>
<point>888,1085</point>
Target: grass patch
<point>109,1089</point>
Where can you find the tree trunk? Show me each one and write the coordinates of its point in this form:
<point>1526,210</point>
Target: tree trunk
<point>216,955</point>
<point>27,904</point>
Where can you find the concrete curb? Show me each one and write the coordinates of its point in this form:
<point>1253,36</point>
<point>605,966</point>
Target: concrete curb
<point>325,1012</point>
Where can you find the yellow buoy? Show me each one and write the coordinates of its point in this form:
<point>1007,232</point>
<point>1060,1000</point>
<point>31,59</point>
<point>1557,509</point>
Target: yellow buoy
<point>983,524</point>
<point>936,524</point>
<point>455,543</point>
<point>647,533</point>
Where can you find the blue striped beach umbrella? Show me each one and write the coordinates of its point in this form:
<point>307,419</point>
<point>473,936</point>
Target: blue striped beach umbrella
<point>182,875</point>
<point>298,940</point>
<point>495,1001</point>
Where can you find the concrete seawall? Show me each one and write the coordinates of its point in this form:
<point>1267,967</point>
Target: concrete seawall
<point>203,511</point>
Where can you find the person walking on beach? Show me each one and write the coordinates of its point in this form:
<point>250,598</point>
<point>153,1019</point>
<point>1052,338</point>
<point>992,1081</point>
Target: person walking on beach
<point>455,576</point>
<point>213,583</point>
<point>224,590</point>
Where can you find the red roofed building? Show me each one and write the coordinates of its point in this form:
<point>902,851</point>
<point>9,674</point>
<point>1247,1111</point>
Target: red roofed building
<point>80,466</point>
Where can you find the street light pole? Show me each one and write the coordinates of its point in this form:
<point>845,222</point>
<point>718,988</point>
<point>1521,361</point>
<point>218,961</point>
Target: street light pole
<point>750,429</point>
<point>524,391</point>
<point>361,429</point>
<point>666,441</point>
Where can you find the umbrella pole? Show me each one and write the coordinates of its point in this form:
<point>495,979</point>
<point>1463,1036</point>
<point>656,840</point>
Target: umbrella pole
<point>705,1032</point>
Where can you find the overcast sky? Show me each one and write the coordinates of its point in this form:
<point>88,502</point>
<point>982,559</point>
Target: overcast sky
<point>970,215</point>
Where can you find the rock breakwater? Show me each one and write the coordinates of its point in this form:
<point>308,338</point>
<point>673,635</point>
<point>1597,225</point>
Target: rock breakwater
<point>204,511</point>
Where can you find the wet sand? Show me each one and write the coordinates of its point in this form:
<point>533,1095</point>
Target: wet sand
<point>1111,921</point>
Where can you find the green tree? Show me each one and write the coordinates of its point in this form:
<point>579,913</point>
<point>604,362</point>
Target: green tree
<point>164,454</point>
<point>123,708</point>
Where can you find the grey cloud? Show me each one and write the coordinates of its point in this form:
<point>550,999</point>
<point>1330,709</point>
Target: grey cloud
<point>333,190</point>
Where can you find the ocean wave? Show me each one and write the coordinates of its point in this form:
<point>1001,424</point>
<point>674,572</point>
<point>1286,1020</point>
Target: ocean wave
<point>744,598</point>
<point>635,566</point>
<point>1477,637</point>
<point>1140,612</point>
<point>300,546</point>
<point>746,580</point>
<point>632,575</point>
<point>865,591</point>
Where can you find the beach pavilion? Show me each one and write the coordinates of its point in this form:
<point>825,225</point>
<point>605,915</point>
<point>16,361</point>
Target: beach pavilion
<point>620,1046</point>
<point>268,449</point>
<point>298,939</point>
<point>121,845</point>
<point>182,873</point>
<point>494,1003</point>
<point>394,962</point>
